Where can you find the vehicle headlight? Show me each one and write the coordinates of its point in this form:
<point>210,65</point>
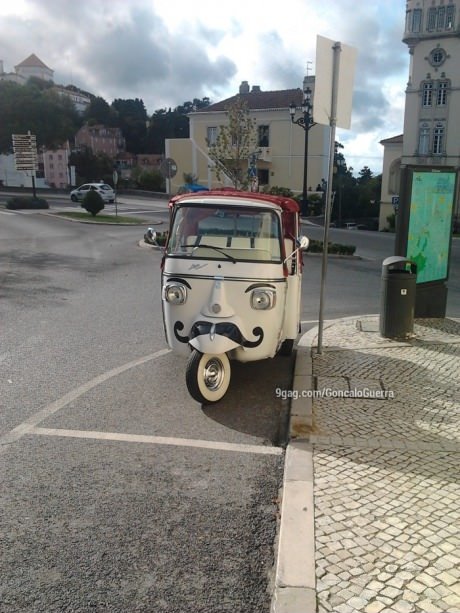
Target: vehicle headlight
<point>175,293</point>
<point>263,299</point>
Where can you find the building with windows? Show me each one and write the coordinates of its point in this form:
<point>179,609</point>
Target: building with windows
<point>101,139</point>
<point>432,108</point>
<point>278,158</point>
<point>56,167</point>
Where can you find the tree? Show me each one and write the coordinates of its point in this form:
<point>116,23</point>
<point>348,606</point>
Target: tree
<point>234,144</point>
<point>93,202</point>
<point>90,166</point>
<point>132,119</point>
<point>38,108</point>
<point>100,112</point>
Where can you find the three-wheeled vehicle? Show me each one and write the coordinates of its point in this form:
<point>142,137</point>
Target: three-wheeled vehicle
<point>231,282</point>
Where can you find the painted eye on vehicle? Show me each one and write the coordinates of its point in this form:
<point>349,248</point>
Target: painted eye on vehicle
<point>263,299</point>
<point>174,293</point>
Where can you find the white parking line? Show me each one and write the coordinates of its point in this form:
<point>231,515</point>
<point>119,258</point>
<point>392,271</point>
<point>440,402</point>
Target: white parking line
<point>27,426</point>
<point>30,425</point>
<point>158,440</point>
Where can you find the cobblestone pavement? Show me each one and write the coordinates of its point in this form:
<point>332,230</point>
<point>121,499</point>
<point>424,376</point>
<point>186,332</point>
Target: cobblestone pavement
<point>386,455</point>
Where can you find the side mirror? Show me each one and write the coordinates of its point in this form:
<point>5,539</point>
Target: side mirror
<point>303,242</point>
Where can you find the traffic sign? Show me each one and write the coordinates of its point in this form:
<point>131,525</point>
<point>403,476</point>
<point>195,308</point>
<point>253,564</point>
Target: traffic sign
<point>168,168</point>
<point>25,151</point>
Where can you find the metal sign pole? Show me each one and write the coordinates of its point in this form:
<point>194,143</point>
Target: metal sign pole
<point>337,48</point>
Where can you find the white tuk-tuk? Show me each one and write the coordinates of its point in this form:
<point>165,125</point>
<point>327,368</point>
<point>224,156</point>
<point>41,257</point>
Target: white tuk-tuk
<point>231,283</point>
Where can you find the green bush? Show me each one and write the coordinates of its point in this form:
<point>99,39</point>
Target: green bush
<point>391,221</point>
<point>151,180</point>
<point>336,248</point>
<point>93,202</point>
<point>280,191</point>
<point>26,202</point>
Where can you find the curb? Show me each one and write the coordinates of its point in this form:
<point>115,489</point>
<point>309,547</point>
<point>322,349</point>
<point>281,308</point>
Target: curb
<point>295,574</point>
<point>295,580</point>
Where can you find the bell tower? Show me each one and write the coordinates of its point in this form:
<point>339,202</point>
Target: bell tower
<point>432,111</point>
<point>430,161</point>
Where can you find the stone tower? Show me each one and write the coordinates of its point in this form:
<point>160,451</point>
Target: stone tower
<point>432,110</point>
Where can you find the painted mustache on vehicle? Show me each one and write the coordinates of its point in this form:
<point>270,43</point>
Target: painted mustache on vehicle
<point>223,328</point>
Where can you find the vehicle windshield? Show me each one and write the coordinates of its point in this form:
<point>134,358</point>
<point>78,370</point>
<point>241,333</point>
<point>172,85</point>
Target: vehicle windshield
<point>242,233</point>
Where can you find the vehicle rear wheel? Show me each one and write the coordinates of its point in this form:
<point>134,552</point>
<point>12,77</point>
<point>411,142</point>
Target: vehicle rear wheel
<point>207,376</point>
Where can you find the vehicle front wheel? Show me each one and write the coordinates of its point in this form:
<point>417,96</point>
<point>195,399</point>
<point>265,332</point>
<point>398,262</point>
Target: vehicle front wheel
<point>207,376</point>
<point>74,198</point>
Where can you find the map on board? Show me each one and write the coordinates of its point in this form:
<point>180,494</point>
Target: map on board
<point>430,224</point>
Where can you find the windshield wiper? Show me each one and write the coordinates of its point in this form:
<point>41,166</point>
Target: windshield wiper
<point>230,257</point>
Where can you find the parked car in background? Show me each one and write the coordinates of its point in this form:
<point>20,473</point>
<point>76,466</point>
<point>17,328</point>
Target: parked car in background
<point>106,192</point>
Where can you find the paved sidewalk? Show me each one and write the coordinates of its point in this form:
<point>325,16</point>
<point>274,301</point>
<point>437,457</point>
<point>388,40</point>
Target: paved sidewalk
<point>370,518</point>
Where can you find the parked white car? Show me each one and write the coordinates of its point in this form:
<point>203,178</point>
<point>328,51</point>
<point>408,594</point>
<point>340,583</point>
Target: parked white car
<point>107,192</point>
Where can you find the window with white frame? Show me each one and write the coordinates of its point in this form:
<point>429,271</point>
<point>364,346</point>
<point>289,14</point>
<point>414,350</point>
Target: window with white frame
<point>416,20</point>
<point>441,20</point>
<point>427,94</point>
<point>438,139</point>
<point>441,95</point>
<point>424,139</point>
<point>211,135</point>
<point>450,16</point>
<point>431,21</point>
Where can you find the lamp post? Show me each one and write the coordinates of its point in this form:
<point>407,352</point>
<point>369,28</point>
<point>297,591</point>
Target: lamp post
<point>305,122</point>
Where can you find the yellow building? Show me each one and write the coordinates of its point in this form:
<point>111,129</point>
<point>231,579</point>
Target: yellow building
<point>280,146</point>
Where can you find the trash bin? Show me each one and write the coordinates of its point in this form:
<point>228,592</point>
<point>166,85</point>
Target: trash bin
<point>397,298</point>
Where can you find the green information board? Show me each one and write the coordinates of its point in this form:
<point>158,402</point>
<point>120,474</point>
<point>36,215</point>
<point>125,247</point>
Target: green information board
<point>430,223</point>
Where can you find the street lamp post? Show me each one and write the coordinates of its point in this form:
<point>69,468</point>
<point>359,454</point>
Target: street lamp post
<point>305,122</point>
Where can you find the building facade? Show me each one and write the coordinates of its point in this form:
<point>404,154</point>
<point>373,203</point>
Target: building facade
<point>56,167</point>
<point>101,139</point>
<point>32,66</point>
<point>279,152</point>
<point>432,108</point>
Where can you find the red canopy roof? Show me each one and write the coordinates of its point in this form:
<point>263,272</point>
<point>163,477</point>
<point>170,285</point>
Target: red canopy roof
<point>287,204</point>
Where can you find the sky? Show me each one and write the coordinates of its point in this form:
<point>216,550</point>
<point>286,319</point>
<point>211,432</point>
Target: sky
<point>167,52</point>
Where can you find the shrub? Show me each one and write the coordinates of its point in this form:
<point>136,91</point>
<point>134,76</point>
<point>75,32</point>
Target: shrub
<point>391,221</point>
<point>93,202</point>
<point>26,202</point>
<point>317,247</point>
<point>151,180</point>
<point>275,190</point>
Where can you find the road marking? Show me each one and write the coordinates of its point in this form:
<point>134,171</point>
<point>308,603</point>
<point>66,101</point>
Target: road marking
<point>27,426</point>
<point>30,425</point>
<point>158,440</point>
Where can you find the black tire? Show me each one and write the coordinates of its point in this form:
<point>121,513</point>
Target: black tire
<point>74,198</point>
<point>286,348</point>
<point>207,376</point>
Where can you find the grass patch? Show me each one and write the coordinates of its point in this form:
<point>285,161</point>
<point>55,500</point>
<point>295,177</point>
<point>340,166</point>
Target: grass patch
<point>114,219</point>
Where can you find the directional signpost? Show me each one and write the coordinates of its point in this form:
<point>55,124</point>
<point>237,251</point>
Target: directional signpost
<point>25,154</point>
